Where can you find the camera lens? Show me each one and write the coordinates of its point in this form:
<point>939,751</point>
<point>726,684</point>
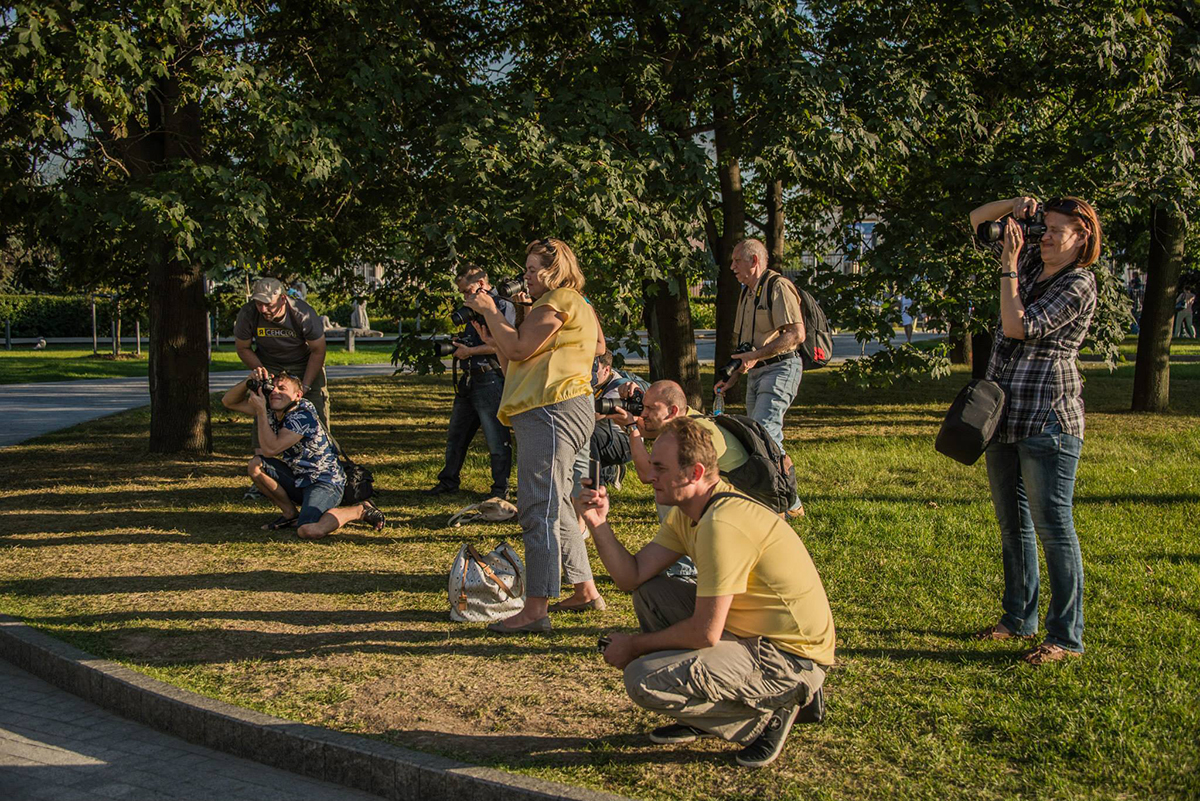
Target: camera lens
<point>461,316</point>
<point>444,349</point>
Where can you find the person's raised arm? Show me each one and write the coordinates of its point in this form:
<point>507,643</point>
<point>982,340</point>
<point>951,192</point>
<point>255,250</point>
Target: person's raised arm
<point>270,443</point>
<point>628,571</point>
<point>246,353</point>
<point>237,399</point>
<point>515,344</point>
<point>1018,207</point>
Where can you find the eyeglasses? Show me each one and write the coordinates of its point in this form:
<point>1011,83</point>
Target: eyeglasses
<point>548,245</point>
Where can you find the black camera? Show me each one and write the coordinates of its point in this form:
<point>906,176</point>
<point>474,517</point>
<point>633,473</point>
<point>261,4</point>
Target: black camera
<point>442,348</point>
<point>1032,227</point>
<point>266,386</point>
<point>509,287</point>
<point>726,372</point>
<point>464,314</point>
<point>634,404</point>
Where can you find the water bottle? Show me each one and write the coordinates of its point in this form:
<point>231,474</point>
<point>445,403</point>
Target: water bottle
<point>718,403</point>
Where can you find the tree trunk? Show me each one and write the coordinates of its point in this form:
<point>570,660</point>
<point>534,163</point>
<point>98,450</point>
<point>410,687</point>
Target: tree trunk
<point>179,398</point>
<point>668,317</point>
<point>733,227</point>
<point>1152,374</point>
<point>981,351</point>
<point>960,344</point>
<point>775,224</point>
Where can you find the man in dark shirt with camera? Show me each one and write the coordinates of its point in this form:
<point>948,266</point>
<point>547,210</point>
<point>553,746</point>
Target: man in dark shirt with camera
<point>477,396</point>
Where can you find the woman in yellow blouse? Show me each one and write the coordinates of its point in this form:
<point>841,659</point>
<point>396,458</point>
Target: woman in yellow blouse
<point>548,403</point>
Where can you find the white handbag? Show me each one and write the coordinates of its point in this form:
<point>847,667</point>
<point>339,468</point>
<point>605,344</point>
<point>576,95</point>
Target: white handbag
<point>486,588</point>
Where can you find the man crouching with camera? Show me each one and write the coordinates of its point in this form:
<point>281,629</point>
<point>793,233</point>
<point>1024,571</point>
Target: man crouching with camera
<point>295,465</point>
<point>741,654</point>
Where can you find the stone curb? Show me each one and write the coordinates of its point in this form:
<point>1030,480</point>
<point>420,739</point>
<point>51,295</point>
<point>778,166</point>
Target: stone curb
<point>358,762</point>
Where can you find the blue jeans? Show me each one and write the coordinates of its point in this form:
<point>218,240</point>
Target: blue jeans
<point>770,391</point>
<point>473,409</point>
<point>1033,484</point>
<point>314,500</point>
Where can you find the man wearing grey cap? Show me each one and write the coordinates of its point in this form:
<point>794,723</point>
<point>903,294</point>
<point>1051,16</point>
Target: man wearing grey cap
<point>275,332</point>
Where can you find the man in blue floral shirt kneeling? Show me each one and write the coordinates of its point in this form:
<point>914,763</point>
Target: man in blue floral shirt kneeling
<point>295,464</point>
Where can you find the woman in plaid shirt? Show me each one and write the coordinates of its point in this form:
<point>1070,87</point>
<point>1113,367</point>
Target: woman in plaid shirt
<point>1047,296</point>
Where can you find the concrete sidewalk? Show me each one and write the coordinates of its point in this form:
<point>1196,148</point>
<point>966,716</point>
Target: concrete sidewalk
<point>54,745</point>
<point>30,410</point>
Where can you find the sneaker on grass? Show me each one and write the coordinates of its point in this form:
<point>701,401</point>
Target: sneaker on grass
<point>252,494</point>
<point>677,733</point>
<point>768,745</point>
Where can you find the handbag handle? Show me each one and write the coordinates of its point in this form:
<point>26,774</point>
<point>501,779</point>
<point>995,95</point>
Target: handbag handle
<point>487,571</point>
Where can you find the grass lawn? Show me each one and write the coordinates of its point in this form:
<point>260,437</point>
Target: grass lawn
<point>157,563</point>
<point>26,365</point>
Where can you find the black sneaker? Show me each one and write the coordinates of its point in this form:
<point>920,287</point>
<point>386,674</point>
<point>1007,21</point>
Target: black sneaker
<point>440,489</point>
<point>676,733</point>
<point>767,746</point>
<point>814,710</point>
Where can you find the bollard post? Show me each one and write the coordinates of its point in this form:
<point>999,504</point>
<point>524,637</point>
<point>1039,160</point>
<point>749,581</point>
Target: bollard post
<point>8,334</point>
<point>137,335</point>
<point>350,340</point>
<point>95,349</point>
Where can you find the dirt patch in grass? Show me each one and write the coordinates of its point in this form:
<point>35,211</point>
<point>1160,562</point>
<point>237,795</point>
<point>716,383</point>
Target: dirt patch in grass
<point>159,563</point>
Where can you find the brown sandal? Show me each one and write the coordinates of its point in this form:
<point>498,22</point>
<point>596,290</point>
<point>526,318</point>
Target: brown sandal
<point>998,632</point>
<point>1046,652</point>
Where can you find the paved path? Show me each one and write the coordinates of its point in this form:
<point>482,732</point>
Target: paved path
<point>30,410</point>
<point>58,747</point>
<point>844,346</point>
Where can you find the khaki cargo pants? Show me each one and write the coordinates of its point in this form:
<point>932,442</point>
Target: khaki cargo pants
<point>317,395</point>
<point>730,689</point>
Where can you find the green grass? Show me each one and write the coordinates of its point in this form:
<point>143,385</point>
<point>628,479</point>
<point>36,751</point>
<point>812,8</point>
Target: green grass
<point>157,563</point>
<point>67,363</point>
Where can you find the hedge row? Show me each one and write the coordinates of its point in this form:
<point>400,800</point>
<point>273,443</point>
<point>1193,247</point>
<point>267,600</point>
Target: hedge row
<point>59,316</point>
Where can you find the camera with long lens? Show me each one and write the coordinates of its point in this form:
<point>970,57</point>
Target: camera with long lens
<point>634,404</point>
<point>463,315</point>
<point>443,348</point>
<point>264,385</point>
<point>1032,227</point>
<point>726,372</point>
<point>509,287</point>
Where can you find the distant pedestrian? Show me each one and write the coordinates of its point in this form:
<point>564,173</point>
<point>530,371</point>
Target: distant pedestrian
<point>906,318</point>
<point>1183,315</point>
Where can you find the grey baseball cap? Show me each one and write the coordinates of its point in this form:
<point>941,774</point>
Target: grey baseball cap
<point>266,290</point>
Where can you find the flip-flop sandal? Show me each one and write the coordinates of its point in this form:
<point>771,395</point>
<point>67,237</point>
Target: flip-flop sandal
<point>281,522</point>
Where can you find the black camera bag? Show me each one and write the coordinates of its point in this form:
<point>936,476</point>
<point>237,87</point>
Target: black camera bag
<point>360,483</point>
<point>768,476</point>
<point>972,421</point>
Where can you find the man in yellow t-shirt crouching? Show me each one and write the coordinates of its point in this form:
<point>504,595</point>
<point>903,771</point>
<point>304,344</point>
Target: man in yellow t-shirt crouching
<point>741,652</point>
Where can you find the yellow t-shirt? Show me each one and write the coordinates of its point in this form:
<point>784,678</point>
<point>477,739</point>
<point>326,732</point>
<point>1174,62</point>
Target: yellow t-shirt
<point>562,368</point>
<point>742,548</point>
<point>730,453</point>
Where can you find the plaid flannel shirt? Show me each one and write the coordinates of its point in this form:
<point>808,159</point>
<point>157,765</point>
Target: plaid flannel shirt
<point>1039,372</point>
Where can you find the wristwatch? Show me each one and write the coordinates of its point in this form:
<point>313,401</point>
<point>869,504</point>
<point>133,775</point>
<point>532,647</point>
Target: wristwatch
<point>633,430</point>
<point>306,387</point>
<point>1009,274</point>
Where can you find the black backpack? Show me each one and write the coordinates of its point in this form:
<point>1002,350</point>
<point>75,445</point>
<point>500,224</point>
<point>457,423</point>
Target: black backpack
<point>768,476</point>
<point>817,348</point>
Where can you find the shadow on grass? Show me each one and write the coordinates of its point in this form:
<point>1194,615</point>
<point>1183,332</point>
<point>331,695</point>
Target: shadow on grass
<point>153,646</point>
<point>318,582</point>
<point>927,654</point>
<point>527,750</point>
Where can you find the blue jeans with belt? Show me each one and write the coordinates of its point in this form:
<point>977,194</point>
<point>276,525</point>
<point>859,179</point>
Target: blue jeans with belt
<point>476,408</point>
<point>1033,486</point>
<point>770,391</point>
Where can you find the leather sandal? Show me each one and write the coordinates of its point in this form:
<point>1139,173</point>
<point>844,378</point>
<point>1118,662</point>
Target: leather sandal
<point>1047,652</point>
<point>281,522</point>
<point>998,632</point>
<point>596,603</point>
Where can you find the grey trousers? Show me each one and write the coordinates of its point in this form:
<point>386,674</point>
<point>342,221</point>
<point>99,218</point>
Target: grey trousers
<point>548,438</point>
<point>730,689</point>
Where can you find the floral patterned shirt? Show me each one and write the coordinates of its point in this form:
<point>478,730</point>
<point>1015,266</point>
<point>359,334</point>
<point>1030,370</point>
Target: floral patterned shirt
<point>312,459</point>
